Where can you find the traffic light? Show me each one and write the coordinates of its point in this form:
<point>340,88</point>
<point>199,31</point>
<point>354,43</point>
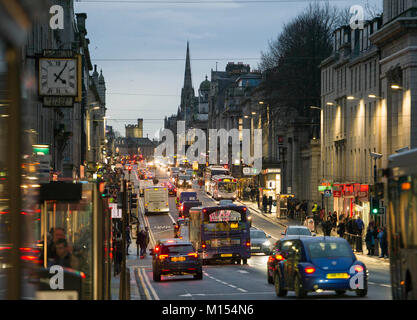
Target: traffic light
<point>375,206</point>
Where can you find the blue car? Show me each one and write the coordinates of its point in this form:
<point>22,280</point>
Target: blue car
<point>309,264</point>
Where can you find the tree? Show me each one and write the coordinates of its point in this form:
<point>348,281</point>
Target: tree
<point>292,62</point>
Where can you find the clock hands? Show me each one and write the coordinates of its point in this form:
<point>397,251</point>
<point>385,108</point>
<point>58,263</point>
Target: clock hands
<point>59,75</point>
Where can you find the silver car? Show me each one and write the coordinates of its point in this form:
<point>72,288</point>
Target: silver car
<point>260,242</point>
<point>297,231</point>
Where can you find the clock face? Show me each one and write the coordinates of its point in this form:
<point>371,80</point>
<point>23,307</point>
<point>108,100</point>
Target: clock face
<point>58,77</point>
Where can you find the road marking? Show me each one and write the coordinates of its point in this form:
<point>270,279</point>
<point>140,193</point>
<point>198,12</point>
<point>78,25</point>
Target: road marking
<point>148,296</point>
<point>224,294</point>
<point>223,282</point>
<point>380,284</point>
<point>242,271</point>
<point>150,285</point>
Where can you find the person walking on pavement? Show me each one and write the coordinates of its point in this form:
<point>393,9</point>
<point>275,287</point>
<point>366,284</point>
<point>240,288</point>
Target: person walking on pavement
<point>147,238</point>
<point>142,243</point>
<point>118,257</point>
<point>341,228</point>
<point>128,239</point>
<point>264,203</point>
<point>327,227</point>
<point>137,241</point>
<point>370,241</point>
<point>270,204</point>
<point>382,237</point>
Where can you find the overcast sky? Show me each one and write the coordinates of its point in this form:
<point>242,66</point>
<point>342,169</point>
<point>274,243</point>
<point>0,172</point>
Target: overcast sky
<point>151,89</point>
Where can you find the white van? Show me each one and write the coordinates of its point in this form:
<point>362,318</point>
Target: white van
<point>156,199</point>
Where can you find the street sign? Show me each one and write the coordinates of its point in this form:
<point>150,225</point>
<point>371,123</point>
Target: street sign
<point>116,213</point>
<point>327,193</point>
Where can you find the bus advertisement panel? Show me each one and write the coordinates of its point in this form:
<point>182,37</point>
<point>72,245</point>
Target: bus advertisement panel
<point>220,233</point>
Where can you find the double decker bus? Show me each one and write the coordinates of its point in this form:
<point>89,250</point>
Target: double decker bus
<point>223,187</point>
<point>212,171</point>
<point>401,191</point>
<point>220,233</point>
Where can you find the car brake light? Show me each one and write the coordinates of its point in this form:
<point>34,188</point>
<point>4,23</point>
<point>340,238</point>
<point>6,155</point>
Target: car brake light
<point>279,257</point>
<point>358,268</point>
<point>156,249</point>
<point>248,243</point>
<point>310,270</point>
<point>163,256</point>
<point>193,254</point>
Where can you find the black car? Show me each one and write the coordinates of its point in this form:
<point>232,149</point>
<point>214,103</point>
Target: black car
<point>184,208</point>
<point>175,257</point>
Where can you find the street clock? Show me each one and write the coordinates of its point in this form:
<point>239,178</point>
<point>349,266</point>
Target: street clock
<point>58,77</point>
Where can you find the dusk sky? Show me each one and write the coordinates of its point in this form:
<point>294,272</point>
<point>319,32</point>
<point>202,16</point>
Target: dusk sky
<point>219,32</point>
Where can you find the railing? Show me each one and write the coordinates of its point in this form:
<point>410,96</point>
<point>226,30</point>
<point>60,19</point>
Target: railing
<point>355,241</point>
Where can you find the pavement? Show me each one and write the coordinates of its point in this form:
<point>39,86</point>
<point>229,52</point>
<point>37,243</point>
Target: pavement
<point>284,222</point>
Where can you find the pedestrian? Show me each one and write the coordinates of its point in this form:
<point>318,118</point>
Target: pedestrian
<point>309,223</point>
<point>341,228</point>
<point>370,240</point>
<point>118,255</point>
<point>142,243</point>
<point>383,243</point>
<point>128,239</point>
<point>257,196</point>
<point>137,241</point>
<point>270,204</point>
<point>264,203</point>
<point>147,238</point>
<point>327,226</point>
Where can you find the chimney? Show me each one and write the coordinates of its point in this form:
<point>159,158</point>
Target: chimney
<point>81,17</point>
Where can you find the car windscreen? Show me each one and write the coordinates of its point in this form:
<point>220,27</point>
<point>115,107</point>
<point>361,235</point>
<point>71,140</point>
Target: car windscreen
<point>298,232</point>
<point>329,249</point>
<point>177,249</point>
<point>256,234</point>
<point>188,196</point>
<point>184,177</point>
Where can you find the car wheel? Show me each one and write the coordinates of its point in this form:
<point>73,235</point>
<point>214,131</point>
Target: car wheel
<point>340,292</point>
<point>199,275</point>
<point>362,292</point>
<point>269,278</point>
<point>156,277</point>
<point>279,290</point>
<point>298,288</point>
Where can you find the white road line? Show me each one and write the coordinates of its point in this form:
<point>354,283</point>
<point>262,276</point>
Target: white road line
<point>156,297</point>
<point>148,296</point>
<point>223,282</point>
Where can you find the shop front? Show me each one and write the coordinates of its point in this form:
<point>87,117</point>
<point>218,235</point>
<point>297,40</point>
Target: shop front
<point>270,187</point>
<point>352,200</point>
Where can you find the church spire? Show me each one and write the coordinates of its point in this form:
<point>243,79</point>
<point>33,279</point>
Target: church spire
<point>187,75</point>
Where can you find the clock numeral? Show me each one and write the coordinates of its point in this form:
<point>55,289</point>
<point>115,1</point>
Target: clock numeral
<point>44,77</point>
<point>49,90</point>
<point>50,63</point>
<point>72,77</point>
<point>72,85</point>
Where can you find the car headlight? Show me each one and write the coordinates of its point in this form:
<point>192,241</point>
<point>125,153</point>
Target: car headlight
<point>267,243</point>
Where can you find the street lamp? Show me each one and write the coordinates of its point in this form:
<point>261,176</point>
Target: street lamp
<point>396,86</point>
<point>329,103</point>
<point>375,156</point>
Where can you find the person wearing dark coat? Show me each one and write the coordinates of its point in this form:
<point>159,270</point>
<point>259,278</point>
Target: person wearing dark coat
<point>341,228</point>
<point>370,240</point>
<point>264,203</point>
<point>327,227</point>
<point>270,204</point>
<point>142,243</point>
